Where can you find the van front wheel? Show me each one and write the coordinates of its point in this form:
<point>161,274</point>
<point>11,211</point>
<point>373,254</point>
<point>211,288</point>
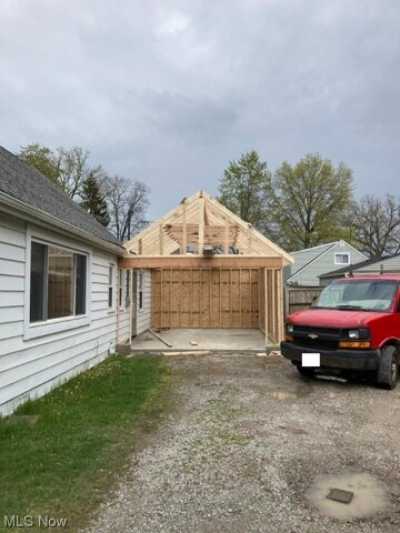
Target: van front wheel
<point>388,368</point>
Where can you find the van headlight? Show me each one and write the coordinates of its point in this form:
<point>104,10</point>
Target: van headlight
<point>290,328</point>
<point>356,334</point>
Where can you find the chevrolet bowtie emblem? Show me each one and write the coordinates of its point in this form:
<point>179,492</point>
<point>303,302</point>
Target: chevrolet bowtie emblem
<point>313,336</point>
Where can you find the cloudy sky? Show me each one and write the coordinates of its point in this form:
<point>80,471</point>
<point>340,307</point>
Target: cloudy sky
<point>168,92</point>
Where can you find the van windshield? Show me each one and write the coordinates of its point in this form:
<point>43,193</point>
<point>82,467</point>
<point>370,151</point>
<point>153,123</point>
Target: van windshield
<point>365,295</point>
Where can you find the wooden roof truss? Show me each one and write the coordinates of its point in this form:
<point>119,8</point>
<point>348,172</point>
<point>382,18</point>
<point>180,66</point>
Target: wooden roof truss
<point>202,222</point>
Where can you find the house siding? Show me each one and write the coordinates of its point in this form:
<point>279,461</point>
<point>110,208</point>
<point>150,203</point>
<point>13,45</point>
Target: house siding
<point>123,322</point>
<point>30,368</point>
<point>143,321</point>
<point>389,265</point>
<point>303,257</point>
<point>325,262</point>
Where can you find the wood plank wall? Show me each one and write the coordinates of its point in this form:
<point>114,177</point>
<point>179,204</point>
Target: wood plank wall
<point>205,298</point>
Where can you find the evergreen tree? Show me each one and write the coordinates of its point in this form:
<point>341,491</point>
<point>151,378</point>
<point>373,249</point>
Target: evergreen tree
<point>93,200</point>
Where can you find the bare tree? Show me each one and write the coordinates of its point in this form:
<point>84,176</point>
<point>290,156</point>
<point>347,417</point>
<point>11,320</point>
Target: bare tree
<point>376,224</point>
<point>73,169</point>
<point>128,201</point>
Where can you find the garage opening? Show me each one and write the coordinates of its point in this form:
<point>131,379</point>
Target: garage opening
<point>200,298</point>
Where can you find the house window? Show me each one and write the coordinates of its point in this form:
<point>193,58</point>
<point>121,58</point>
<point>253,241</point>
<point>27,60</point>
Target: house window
<point>140,290</point>
<point>128,289</point>
<point>120,286</point>
<point>110,286</point>
<point>342,258</point>
<point>57,282</point>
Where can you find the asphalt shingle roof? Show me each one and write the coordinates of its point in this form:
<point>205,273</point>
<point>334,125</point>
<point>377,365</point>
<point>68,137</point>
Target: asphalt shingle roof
<point>356,266</point>
<point>26,184</point>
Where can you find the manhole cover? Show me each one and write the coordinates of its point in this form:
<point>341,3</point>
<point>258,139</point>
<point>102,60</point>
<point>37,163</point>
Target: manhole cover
<point>356,495</point>
<point>342,496</point>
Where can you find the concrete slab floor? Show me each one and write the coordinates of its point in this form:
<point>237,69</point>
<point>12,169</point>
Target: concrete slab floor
<point>241,340</point>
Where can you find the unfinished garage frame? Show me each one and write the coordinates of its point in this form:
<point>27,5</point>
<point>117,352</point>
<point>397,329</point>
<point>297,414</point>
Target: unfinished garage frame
<point>210,269</point>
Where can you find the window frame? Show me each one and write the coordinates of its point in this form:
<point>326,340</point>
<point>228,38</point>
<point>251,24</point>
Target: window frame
<point>140,285</point>
<point>42,328</point>
<point>128,288</point>
<point>121,289</point>
<point>348,254</point>
<point>112,285</point>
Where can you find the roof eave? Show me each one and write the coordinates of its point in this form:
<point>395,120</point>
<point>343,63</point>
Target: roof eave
<point>35,215</point>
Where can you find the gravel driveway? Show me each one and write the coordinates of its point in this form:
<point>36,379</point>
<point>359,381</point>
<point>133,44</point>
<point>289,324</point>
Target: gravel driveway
<point>246,441</point>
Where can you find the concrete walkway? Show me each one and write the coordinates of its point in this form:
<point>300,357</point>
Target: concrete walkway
<point>241,340</point>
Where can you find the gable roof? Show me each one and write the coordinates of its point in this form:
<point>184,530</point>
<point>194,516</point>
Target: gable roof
<point>356,266</point>
<point>25,184</point>
<point>203,213</point>
<point>304,257</point>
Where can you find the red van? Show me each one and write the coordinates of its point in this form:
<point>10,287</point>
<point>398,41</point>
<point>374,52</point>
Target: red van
<point>353,326</point>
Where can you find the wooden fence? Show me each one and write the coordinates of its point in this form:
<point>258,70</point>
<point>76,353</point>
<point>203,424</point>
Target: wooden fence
<point>297,298</point>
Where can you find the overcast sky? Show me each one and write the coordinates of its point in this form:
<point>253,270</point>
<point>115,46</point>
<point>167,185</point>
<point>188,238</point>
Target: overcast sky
<point>168,92</point>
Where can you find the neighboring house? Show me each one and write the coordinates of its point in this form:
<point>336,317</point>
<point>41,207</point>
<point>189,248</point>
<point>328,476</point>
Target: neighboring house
<point>311,263</point>
<point>388,264</point>
<point>210,269</point>
<point>64,303</point>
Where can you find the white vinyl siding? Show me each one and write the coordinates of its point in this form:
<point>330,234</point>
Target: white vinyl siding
<point>124,310</point>
<point>323,263</point>
<point>143,320</point>
<point>31,367</point>
<point>392,264</point>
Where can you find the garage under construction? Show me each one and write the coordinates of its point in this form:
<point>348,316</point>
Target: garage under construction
<point>207,268</point>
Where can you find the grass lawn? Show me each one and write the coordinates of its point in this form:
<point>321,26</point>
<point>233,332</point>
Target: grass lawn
<point>62,463</point>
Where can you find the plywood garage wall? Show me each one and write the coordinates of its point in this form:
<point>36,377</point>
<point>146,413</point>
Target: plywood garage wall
<point>205,298</point>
